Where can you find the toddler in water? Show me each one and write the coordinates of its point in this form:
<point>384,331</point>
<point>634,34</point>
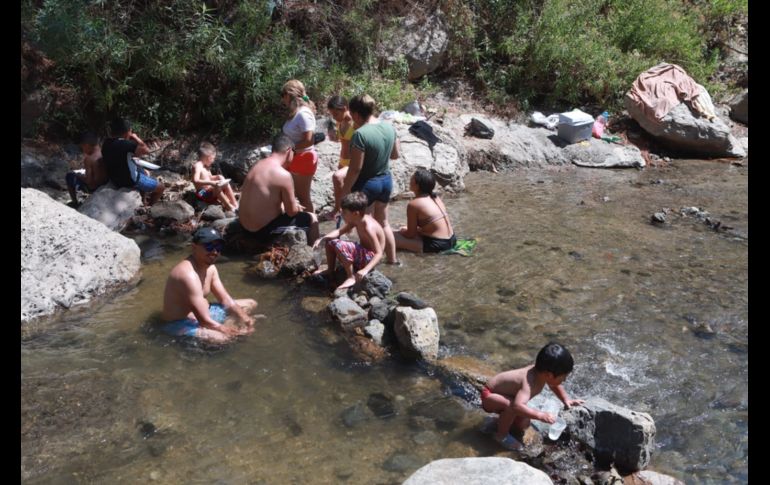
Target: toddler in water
<point>507,393</point>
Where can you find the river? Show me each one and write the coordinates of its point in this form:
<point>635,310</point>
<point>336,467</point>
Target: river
<point>655,316</point>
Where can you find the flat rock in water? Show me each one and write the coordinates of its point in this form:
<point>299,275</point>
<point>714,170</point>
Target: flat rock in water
<point>452,471</point>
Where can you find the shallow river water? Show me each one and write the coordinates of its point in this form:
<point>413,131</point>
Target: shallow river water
<point>656,318</point>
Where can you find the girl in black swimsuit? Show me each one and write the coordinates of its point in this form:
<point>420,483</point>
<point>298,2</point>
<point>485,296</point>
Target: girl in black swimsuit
<point>428,228</point>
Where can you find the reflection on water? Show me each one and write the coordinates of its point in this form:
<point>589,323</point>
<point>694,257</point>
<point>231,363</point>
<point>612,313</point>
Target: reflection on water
<point>656,317</point>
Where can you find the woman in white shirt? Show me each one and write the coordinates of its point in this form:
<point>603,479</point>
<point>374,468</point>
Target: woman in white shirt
<point>300,128</point>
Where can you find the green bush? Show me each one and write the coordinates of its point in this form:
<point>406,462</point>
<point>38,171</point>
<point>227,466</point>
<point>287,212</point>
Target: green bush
<point>177,65</point>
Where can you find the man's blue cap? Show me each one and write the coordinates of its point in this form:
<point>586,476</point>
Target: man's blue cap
<point>206,235</point>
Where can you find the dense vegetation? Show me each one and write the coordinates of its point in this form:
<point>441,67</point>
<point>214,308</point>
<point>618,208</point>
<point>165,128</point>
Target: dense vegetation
<point>189,65</point>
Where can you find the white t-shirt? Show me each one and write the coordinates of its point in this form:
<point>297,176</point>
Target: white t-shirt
<point>302,122</point>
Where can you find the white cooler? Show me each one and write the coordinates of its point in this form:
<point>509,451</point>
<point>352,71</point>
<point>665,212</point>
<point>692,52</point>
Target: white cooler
<point>575,126</point>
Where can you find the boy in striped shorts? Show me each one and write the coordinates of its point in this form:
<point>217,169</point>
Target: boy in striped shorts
<point>357,258</point>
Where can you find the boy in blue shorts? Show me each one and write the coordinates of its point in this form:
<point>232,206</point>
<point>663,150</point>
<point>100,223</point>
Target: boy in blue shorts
<point>185,307</point>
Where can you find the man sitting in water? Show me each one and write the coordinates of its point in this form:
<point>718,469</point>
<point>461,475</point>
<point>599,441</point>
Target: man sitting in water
<point>268,204</point>
<point>184,300</point>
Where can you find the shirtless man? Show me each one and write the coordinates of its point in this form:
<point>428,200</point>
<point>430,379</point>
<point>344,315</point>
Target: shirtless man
<point>95,174</point>
<point>185,306</point>
<point>267,202</point>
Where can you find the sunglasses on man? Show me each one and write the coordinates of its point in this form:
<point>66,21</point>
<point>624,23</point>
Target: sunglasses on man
<point>217,246</point>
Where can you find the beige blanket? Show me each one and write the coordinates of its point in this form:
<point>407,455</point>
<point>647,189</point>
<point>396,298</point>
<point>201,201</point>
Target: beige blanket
<point>661,88</point>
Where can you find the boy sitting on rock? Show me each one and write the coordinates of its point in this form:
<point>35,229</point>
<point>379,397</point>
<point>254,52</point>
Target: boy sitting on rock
<point>208,187</point>
<point>355,257</point>
<point>507,393</point>
<point>93,175</point>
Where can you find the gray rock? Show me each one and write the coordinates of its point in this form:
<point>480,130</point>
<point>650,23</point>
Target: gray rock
<point>381,405</point>
<point>67,258</point>
<point>407,299</point>
<point>600,154</point>
<point>616,434</point>
<point>376,284</point>
<point>179,211</point>
<point>648,477</point>
<point>361,301</point>
<point>300,257</point>
<point>375,330</point>
<point>401,462</point>
<point>659,218</point>
<point>378,311</point>
<point>417,332</point>
<point>513,145</point>
<point>683,131</point>
<point>111,206</point>
<point>421,41</point>
<point>213,212</point>
<point>501,471</point>
<point>739,107</point>
<point>347,313</point>
<point>446,412</point>
<point>425,438</point>
<point>355,414</point>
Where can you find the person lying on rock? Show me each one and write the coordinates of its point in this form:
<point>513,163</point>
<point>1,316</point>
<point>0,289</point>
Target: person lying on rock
<point>185,306</point>
<point>207,186</point>
<point>357,259</point>
<point>95,174</point>
<point>507,393</point>
<point>427,229</point>
<point>118,152</point>
<point>268,203</point>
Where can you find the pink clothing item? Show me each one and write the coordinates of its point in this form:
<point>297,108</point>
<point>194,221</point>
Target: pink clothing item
<point>352,252</point>
<point>661,88</point>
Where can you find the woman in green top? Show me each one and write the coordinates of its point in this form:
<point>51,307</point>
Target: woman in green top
<point>372,147</point>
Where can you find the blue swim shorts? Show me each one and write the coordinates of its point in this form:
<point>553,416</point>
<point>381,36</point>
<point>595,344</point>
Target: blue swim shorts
<point>377,189</point>
<point>189,327</point>
<point>145,183</point>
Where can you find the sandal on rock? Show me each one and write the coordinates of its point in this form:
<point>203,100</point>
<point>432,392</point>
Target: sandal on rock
<point>510,443</point>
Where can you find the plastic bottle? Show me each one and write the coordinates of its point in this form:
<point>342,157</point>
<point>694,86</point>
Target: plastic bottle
<point>599,124</point>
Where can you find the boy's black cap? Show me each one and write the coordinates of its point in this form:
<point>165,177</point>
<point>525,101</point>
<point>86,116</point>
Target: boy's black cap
<point>206,235</point>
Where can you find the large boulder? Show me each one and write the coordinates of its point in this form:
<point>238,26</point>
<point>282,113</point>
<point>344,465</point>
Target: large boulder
<point>684,132</point>
<point>446,159</point>
<point>417,332</point>
<point>616,434</point>
<point>513,145</point>
<point>739,107</point>
<point>600,154</point>
<point>500,471</point>
<point>44,165</point>
<point>422,41</point>
<point>111,206</point>
<point>67,258</point>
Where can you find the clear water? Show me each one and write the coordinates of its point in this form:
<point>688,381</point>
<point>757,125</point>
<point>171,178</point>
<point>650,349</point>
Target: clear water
<point>565,254</point>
